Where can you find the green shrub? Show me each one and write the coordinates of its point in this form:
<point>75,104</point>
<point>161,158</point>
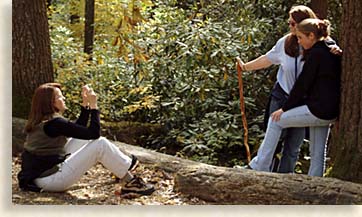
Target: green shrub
<point>177,69</point>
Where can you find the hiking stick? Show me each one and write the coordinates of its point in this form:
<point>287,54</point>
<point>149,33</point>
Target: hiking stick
<point>242,108</point>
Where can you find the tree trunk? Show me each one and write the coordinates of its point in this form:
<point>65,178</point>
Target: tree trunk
<point>89,27</point>
<point>222,185</point>
<point>347,139</point>
<point>320,7</point>
<point>31,58</point>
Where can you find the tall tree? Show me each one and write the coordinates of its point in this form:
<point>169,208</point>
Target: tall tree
<point>31,57</point>
<point>89,27</point>
<point>347,138</point>
<point>320,7</point>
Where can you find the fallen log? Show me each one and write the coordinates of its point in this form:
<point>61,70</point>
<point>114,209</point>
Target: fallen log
<point>222,185</point>
<point>241,186</point>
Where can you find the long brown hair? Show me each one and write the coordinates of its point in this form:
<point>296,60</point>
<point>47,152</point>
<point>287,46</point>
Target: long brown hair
<point>42,105</point>
<point>298,13</point>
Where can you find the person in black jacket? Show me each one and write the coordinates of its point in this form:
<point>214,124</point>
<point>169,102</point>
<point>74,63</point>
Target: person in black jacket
<point>57,152</point>
<point>313,101</point>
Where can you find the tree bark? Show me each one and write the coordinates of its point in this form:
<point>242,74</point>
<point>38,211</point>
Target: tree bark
<point>31,55</point>
<point>89,27</point>
<point>222,185</point>
<point>240,186</point>
<point>320,7</point>
<point>347,138</point>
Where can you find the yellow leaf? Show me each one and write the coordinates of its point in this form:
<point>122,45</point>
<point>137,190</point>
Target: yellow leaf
<point>140,76</point>
<point>147,2</point>
<point>226,76</point>
<point>202,94</point>
<point>136,16</point>
<point>100,61</point>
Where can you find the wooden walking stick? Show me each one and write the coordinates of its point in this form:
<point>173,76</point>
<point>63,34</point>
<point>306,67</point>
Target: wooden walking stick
<point>242,108</point>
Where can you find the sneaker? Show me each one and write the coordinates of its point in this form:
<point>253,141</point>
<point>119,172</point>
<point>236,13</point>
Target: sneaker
<point>138,186</point>
<point>247,167</point>
<point>134,163</point>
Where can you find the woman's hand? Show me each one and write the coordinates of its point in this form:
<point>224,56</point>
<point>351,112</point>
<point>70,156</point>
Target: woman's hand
<point>85,90</point>
<point>276,115</point>
<point>240,64</point>
<point>92,99</point>
<point>335,49</point>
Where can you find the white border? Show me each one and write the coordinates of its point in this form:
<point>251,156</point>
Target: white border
<point>8,209</point>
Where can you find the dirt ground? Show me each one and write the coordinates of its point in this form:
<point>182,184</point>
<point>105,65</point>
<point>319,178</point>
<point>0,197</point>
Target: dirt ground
<point>98,187</point>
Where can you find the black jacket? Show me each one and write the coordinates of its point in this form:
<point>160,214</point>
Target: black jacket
<point>318,85</point>
<point>33,166</point>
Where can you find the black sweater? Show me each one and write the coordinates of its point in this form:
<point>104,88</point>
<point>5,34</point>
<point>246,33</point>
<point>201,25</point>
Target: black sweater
<point>63,127</point>
<point>318,85</point>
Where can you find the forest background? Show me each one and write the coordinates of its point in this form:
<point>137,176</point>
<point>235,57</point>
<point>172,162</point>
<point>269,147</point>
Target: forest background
<point>165,70</point>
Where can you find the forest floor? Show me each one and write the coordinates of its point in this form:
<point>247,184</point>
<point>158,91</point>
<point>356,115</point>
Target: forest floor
<point>97,187</point>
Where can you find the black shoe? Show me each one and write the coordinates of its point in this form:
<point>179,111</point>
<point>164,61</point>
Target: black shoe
<point>138,186</point>
<point>134,163</point>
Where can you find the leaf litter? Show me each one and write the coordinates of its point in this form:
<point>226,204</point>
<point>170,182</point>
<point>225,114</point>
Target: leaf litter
<point>99,187</point>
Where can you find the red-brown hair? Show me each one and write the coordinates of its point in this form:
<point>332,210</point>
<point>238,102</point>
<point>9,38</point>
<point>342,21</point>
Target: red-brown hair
<point>298,13</point>
<point>42,105</point>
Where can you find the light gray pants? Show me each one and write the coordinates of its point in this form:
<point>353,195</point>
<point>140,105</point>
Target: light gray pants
<point>84,155</point>
<point>297,117</point>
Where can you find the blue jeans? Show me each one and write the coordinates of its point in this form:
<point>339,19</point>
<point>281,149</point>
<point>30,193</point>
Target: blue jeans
<point>297,117</point>
<point>292,138</point>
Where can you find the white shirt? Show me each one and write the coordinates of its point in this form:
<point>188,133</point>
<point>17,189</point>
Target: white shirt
<point>286,73</point>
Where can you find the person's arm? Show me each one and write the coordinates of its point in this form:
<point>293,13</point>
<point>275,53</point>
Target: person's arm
<point>305,80</point>
<point>63,127</point>
<point>83,117</point>
<point>273,56</point>
<point>89,102</point>
<point>335,49</point>
<point>258,63</point>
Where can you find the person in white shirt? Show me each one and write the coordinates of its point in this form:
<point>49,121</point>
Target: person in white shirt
<point>288,55</point>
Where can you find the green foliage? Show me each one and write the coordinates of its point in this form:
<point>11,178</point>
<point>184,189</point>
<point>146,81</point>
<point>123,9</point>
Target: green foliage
<point>335,16</point>
<point>192,69</point>
<point>173,63</point>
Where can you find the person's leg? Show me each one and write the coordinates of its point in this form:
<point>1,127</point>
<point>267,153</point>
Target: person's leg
<point>293,140</point>
<point>100,150</point>
<point>318,150</point>
<point>297,117</point>
<point>264,157</point>
<point>74,145</point>
<point>277,99</point>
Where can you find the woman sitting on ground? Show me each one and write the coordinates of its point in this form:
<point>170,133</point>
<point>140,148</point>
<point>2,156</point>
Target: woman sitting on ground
<point>57,152</point>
